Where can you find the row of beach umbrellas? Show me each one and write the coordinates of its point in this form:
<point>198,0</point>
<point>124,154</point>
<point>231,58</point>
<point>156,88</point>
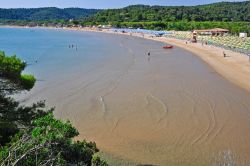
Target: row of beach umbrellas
<point>144,31</point>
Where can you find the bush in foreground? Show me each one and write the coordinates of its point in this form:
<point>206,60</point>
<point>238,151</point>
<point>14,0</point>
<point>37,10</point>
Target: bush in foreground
<point>96,161</point>
<point>11,66</point>
<point>27,81</point>
<point>50,142</point>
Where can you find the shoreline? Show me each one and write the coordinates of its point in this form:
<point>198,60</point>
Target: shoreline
<point>142,104</point>
<point>235,67</point>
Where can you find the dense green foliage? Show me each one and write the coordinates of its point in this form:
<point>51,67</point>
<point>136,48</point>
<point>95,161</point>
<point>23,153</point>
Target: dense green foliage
<point>30,135</point>
<point>49,13</point>
<point>27,81</point>
<point>49,143</point>
<point>234,16</point>
<point>223,11</point>
<point>14,117</point>
<point>11,68</point>
<point>32,23</point>
<point>97,161</point>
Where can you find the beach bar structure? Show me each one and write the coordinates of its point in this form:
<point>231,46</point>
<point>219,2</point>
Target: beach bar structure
<point>213,32</point>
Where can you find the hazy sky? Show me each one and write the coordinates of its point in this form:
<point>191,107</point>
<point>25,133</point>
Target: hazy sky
<point>97,3</point>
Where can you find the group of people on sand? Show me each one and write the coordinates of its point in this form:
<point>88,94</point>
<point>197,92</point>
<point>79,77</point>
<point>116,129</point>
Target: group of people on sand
<point>224,54</point>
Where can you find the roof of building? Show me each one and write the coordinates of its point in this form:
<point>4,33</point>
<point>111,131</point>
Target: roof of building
<point>213,30</point>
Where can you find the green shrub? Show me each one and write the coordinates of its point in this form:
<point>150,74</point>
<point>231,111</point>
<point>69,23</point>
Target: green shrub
<point>11,66</point>
<point>97,161</point>
<point>27,81</point>
<point>50,142</point>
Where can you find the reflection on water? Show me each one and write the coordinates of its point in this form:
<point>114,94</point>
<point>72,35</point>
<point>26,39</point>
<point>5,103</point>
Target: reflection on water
<point>174,110</point>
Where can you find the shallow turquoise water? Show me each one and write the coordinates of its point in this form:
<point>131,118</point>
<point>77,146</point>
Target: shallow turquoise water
<point>49,49</point>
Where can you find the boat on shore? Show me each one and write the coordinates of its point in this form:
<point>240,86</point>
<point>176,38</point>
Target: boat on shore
<point>168,47</point>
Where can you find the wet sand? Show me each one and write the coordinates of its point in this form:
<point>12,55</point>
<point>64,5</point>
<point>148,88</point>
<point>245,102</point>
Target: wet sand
<point>235,66</point>
<point>169,108</point>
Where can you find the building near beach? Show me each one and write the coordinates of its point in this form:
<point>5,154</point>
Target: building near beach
<point>209,32</point>
<point>242,34</point>
<point>213,32</point>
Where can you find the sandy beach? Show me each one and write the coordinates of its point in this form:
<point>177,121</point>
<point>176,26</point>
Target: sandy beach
<point>235,66</point>
<point>169,108</point>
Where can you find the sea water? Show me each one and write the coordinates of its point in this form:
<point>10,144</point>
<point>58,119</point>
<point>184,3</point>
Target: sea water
<point>169,108</point>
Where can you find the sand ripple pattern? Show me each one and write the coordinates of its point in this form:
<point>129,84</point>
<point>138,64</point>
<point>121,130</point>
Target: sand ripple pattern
<point>169,109</point>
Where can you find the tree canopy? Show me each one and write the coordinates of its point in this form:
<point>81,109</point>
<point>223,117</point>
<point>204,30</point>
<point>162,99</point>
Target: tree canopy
<point>223,11</point>
<point>49,143</point>
<point>48,13</point>
<point>11,68</point>
<point>234,16</point>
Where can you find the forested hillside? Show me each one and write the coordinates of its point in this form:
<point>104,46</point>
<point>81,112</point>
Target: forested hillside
<point>234,16</point>
<point>223,11</point>
<point>50,13</point>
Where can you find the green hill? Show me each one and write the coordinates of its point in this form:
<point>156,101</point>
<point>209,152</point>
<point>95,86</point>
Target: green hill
<point>223,11</point>
<point>234,16</point>
<point>49,13</point>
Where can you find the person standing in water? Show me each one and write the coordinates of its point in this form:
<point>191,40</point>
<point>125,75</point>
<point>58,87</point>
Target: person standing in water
<point>224,54</point>
<point>149,56</point>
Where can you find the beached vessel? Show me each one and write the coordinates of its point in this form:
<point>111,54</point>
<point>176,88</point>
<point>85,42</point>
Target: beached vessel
<point>168,47</point>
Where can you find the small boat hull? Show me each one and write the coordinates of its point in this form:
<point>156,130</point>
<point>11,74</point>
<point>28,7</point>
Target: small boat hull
<point>168,47</point>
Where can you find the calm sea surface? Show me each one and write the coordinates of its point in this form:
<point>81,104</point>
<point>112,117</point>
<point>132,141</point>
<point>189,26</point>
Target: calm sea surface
<point>169,108</point>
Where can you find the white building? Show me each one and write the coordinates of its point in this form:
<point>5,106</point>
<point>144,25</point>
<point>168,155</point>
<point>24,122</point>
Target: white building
<point>243,34</point>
